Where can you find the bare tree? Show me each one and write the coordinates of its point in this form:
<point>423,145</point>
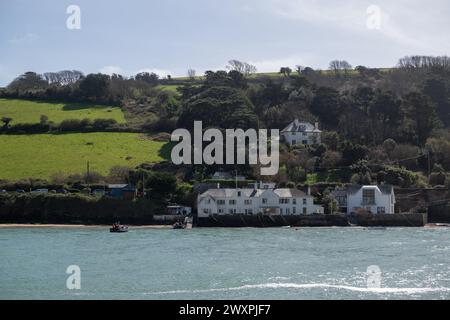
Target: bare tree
<point>191,74</point>
<point>340,65</point>
<point>242,67</point>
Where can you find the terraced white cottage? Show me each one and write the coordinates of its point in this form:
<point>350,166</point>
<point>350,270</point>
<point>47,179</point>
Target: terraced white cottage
<point>265,199</point>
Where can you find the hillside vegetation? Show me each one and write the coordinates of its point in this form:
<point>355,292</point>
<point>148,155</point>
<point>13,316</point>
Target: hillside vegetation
<point>43,155</point>
<point>30,112</point>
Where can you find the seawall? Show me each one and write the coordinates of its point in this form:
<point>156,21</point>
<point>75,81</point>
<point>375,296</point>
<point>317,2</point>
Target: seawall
<point>316,220</point>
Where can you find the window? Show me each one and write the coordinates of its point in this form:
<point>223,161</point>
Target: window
<point>220,210</point>
<point>288,211</point>
<point>294,142</point>
<point>250,211</point>
<point>205,210</point>
<point>248,202</point>
<point>281,210</point>
<point>232,202</point>
<point>283,201</point>
<point>304,210</point>
<point>220,202</point>
<point>293,210</point>
<point>368,196</point>
<point>294,201</point>
<point>305,142</point>
<point>304,134</point>
<point>304,201</point>
<point>239,193</point>
<point>381,210</point>
<point>264,200</point>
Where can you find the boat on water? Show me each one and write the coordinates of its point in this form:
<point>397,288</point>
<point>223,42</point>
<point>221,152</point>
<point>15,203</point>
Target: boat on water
<point>179,225</point>
<point>186,224</point>
<point>117,227</point>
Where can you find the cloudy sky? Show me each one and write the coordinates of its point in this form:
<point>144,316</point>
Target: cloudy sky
<point>170,36</point>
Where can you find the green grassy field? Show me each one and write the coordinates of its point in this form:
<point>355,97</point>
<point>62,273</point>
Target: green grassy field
<point>168,87</point>
<point>42,155</point>
<point>25,111</point>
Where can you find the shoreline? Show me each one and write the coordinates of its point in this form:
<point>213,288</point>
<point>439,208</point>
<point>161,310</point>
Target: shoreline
<point>75,226</point>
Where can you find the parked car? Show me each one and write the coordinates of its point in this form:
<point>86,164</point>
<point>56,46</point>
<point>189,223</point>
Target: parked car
<point>40,191</point>
<point>20,191</point>
<point>63,191</point>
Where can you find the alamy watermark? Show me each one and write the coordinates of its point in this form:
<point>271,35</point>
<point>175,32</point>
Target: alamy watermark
<point>373,276</point>
<point>374,17</point>
<point>73,22</point>
<point>237,141</point>
<point>73,282</point>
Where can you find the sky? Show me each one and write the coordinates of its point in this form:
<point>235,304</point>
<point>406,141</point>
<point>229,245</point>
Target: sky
<point>171,36</point>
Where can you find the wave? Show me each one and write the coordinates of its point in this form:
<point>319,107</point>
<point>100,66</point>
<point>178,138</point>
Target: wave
<point>307,286</point>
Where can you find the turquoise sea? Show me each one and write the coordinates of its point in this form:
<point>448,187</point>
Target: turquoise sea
<point>220,263</point>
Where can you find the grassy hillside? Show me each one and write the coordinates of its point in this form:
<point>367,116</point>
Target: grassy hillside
<point>42,155</point>
<point>25,111</point>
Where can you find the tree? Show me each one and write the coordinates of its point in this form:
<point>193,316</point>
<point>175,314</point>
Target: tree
<point>286,71</point>
<point>6,121</point>
<point>43,119</point>
<point>340,65</point>
<point>149,78</point>
<point>191,74</point>
<point>422,112</point>
<point>64,77</point>
<point>242,67</point>
<point>161,183</point>
<point>220,107</point>
<point>326,106</point>
<point>28,81</point>
<point>95,85</point>
<point>439,92</point>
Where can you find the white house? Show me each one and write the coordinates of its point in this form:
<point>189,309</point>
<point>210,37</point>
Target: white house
<point>301,133</point>
<point>265,200</point>
<point>371,198</point>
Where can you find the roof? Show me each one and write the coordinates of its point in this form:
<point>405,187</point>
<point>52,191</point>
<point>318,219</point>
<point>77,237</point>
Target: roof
<point>297,126</point>
<point>253,193</point>
<point>354,188</point>
<point>120,186</point>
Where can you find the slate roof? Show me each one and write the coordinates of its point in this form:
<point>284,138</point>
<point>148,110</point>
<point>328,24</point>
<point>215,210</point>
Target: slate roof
<point>252,193</point>
<point>297,126</point>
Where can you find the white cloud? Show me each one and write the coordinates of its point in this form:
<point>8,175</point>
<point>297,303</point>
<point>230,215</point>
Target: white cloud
<point>109,70</point>
<point>274,64</point>
<point>413,24</point>
<point>159,72</point>
<point>26,38</point>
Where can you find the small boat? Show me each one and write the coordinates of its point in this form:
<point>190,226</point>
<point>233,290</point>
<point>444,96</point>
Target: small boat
<point>116,227</point>
<point>179,225</point>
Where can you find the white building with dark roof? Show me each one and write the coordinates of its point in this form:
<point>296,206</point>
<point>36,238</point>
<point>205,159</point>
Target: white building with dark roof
<point>301,133</point>
<point>371,198</point>
<point>264,200</point>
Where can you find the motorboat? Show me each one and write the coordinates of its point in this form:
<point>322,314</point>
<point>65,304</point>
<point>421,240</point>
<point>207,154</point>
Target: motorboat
<point>116,227</point>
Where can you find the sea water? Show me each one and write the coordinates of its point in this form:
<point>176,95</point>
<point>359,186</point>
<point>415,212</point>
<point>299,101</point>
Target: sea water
<point>226,263</point>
